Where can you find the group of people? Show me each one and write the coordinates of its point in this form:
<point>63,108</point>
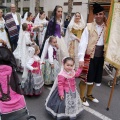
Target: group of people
<point>46,57</point>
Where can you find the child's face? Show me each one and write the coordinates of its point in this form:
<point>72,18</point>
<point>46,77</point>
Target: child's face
<point>68,66</point>
<point>53,42</point>
<point>38,51</point>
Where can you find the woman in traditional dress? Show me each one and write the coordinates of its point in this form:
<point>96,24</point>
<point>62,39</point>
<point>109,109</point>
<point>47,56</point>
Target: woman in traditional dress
<point>73,35</point>
<point>55,28</point>
<point>31,27</point>
<point>41,20</point>
<point>3,35</point>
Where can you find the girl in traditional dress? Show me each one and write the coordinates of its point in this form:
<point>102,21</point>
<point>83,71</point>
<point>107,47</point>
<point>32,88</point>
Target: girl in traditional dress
<point>73,35</point>
<point>32,83</point>
<point>63,100</point>
<point>21,52</point>
<point>3,35</point>
<point>51,68</point>
<point>55,28</point>
<point>40,20</point>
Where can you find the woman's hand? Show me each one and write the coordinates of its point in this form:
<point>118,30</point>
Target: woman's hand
<point>57,46</point>
<point>61,97</point>
<point>78,39</point>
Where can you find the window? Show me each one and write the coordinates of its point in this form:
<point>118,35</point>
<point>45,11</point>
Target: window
<point>8,1</point>
<point>26,9</point>
<point>18,10</point>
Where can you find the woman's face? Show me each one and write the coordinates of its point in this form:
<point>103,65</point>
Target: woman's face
<point>59,12</point>
<point>77,17</point>
<point>1,13</point>
<point>30,17</point>
<point>42,16</point>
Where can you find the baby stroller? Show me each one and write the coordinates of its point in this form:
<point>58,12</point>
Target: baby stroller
<point>110,71</point>
<point>12,102</point>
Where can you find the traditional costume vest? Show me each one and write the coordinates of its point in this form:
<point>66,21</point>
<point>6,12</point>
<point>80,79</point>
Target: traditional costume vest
<point>93,38</point>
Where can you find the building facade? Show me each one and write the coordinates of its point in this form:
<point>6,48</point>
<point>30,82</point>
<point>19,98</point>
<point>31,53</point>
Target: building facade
<point>49,5</point>
<point>82,6</point>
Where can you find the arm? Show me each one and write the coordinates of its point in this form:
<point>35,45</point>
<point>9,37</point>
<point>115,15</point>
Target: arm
<point>61,80</point>
<point>50,55</point>
<point>83,44</point>
<point>77,73</point>
<point>29,64</point>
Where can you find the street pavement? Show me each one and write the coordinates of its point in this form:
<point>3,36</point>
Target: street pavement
<point>96,111</point>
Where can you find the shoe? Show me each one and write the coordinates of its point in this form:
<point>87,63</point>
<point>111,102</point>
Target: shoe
<point>109,69</point>
<point>90,97</point>
<point>84,102</point>
<point>98,84</point>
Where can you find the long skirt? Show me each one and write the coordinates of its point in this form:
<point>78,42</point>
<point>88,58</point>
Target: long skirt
<point>70,107</point>
<point>63,51</point>
<point>73,52</point>
<point>33,85</point>
<point>49,74</point>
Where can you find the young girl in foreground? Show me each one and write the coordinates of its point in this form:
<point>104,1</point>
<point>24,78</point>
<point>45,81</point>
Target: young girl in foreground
<point>32,83</point>
<point>63,100</point>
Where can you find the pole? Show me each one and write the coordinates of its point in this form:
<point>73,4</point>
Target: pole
<point>112,90</point>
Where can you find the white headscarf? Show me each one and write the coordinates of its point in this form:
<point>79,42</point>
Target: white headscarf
<point>38,21</point>
<point>31,52</point>
<point>71,25</point>
<point>44,52</point>
<point>25,17</point>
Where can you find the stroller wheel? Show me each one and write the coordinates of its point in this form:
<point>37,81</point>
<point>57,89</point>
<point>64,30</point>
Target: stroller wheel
<point>110,83</point>
<point>31,117</point>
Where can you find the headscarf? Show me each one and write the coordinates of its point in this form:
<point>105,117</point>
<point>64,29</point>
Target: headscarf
<point>71,25</point>
<point>25,17</point>
<point>39,21</point>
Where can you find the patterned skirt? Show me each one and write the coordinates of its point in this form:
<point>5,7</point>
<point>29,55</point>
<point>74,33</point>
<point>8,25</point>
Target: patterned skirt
<point>33,85</point>
<point>70,107</point>
<point>49,74</point>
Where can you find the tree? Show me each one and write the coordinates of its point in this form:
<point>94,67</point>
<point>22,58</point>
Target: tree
<point>1,2</point>
<point>37,6</point>
<point>16,4</point>
<point>70,7</point>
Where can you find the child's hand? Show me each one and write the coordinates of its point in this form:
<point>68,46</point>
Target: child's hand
<point>57,46</point>
<point>61,97</point>
<point>36,68</point>
<point>52,66</point>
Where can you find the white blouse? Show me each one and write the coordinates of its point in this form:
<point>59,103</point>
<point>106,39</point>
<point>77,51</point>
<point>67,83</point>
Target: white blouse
<point>31,61</point>
<point>50,54</point>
